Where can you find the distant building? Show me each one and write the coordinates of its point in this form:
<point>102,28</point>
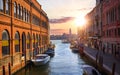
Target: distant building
<point>24,32</point>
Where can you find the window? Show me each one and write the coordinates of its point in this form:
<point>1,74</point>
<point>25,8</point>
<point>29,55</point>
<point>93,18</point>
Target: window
<point>115,32</point>
<point>21,13</point>
<point>28,41</point>
<point>7,7</point>
<point>15,9</point>
<point>17,42</point>
<point>1,5</point>
<point>119,12</point>
<point>18,11</point>
<point>28,16</point>
<point>119,32</point>
<point>5,43</point>
<point>115,14</point>
<point>35,20</point>
<point>24,14</point>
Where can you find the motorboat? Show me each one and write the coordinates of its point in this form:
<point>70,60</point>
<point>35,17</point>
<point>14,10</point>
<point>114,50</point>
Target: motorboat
<point>65,41</point>
<point>40,59</point>
<point>89,70</point>
<point>50,52</point>
<point>74,48</point>
<point>51,46</point>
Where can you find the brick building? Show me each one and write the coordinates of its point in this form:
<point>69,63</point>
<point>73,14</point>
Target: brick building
<point>111,26</point>
<point>24,32</point>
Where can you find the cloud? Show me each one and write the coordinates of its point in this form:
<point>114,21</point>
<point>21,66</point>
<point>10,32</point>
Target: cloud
<point>82,9</point>
<point>61,20</point>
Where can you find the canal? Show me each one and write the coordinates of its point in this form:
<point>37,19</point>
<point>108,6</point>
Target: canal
<point>65,62</point>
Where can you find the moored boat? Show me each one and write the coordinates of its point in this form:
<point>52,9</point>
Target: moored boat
<point>50,52</point>
<point>65,41</point>
<point>89,70</point>
<point>74,48</point>
<point>40,59</point>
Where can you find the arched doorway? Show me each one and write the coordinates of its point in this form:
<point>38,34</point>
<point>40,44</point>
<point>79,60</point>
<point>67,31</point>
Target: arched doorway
<point>5,48</point>
<point>23,44</point>
<point>28,46</point>
<point>17,42</point>
<point>5,43</point>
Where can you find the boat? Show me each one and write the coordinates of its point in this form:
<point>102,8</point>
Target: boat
<point>74,48</point>
<point>65,41</point>
<point>89,70</point>
<point>51,46</point>
<point>40,59</point>
<point>50,52</point>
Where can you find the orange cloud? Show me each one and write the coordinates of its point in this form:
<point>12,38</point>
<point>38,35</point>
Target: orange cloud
<point>61,20</point>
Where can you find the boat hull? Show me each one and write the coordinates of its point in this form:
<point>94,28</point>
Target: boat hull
<point>39,62</point>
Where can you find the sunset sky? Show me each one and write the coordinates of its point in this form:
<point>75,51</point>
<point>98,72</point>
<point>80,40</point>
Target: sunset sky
<point>63,13</point>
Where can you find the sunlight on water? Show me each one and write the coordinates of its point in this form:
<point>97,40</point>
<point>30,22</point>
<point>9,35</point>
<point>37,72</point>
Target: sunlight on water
<point>63,63</point>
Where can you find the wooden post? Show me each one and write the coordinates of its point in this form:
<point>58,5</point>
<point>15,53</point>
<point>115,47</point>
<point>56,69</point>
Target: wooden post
<point>101,61</point>
<point>113,68</point>
<point>3,70</point>
<point>96,60</point>
<point>9,68</point>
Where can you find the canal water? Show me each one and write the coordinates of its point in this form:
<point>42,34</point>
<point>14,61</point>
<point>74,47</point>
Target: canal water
<point>65,62</point>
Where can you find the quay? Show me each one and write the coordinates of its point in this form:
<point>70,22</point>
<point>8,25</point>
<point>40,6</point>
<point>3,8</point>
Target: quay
<point>107,62</point>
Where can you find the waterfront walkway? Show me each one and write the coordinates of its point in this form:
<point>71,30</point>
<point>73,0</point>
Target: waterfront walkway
<point>108,59</point>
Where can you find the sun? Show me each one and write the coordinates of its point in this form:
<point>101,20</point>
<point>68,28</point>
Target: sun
<point>80,21</point>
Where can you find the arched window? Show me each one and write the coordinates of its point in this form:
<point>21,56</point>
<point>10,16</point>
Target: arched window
<point>15,9</point>
<point>7,7</point>
<point>5,43</point>
<point>23,44</point>
<point>27,16</point>
<point>1,5</point>
<point>17,42</point>
<point>28,41</point>
<point>24,14</point>
<point>18,11</point>
<point>21,15</point>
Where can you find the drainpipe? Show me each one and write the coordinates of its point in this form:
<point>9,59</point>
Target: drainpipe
<point>30,30</point>
<point>12,27</point>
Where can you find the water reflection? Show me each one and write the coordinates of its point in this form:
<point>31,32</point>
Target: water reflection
<point>63,63</point>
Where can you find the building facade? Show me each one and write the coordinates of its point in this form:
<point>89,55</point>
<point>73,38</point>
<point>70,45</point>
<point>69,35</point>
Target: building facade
<point>111,26</point>
<point>103,26</point>
<point>91,28</point>
<point>24,32</point>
